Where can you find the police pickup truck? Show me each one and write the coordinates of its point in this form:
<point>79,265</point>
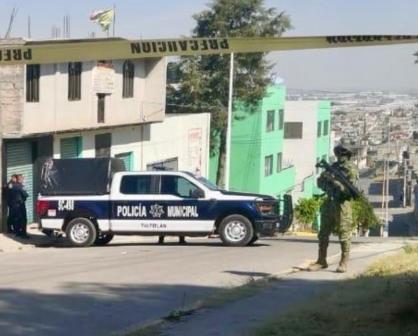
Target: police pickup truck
<point>91,209</point>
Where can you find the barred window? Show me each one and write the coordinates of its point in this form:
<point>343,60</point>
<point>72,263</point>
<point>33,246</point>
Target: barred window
<point>270,121</point>
<point>103,144</point>
<point>128,79</point>
<point>101,100</point>
<point>268,165</point>
<point>326,127</point>
<point>281,119</point>
<point>74,80</point>
<point>293,130</point>
<point>279,162</point>
<point>33,73</point>
<point>319,129</point>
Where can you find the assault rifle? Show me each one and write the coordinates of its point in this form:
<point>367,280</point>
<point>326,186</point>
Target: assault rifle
<point>340,177</point>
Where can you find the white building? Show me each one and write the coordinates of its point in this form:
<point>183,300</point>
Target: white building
<point>307,133</point>
<point>95,109</point>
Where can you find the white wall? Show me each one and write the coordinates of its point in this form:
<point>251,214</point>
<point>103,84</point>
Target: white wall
<point>302,152</point>
<point>179,135</point>
<point>54,112</point>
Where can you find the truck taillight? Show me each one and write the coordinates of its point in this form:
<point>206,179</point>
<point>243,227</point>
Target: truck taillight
<point>42,207</point>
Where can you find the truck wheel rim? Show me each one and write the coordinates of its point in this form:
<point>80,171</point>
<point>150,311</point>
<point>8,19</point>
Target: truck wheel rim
<point>80,233</point>
<point>235,231</point>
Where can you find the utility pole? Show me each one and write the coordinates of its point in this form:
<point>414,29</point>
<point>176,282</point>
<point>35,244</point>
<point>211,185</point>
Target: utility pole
<point>383,193</point>
<point>405,172</point>
<point>29,28</point>
<point>114,19</point>
<point>229,125</point>
<point>386,226</point>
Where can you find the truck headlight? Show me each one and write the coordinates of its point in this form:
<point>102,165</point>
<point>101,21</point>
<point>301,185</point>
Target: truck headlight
<point>266,208</point>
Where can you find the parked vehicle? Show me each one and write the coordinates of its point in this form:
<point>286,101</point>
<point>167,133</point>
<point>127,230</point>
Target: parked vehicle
<point>91,200</point>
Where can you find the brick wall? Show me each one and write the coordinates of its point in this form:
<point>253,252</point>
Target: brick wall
<point>11,99</point>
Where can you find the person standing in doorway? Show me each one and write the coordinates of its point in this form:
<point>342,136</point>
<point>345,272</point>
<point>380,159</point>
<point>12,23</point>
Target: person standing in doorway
<point>7,192</point>
<point>19,197</point>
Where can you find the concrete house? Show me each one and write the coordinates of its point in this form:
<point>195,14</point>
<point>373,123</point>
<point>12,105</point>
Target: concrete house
<point>95,109</point>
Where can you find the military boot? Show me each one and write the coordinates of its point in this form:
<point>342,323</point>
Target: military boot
<point>345,251</point>
<point>321,263</point>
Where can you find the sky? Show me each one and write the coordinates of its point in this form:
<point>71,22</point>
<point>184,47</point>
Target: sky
<point>366,68</point>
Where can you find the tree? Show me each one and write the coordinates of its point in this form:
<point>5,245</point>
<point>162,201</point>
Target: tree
<point>364,216</point>
<point>204,80</point>
<point>307,209</point>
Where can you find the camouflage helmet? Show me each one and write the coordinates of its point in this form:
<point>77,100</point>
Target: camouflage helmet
<point>340,150</point>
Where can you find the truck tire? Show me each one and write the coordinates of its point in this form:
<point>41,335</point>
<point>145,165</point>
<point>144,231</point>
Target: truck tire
<point>81,232</point>
<point>103,239</point>
<point>236,230</point>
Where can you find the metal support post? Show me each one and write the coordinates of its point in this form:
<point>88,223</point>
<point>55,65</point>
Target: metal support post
<point>229,125</point>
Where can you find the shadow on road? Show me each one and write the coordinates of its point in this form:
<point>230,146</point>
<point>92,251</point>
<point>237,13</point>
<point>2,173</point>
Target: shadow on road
<point>249,274</point>
<point>98,309</point>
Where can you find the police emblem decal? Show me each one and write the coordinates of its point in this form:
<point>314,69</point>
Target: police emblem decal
<point>156,211</point>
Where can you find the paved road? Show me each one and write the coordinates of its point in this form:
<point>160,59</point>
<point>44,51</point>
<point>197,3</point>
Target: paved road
<point>240,317</point>
<point>100,290</point>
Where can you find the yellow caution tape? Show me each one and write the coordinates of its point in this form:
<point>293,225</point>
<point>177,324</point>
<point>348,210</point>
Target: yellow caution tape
<point>58,51</point>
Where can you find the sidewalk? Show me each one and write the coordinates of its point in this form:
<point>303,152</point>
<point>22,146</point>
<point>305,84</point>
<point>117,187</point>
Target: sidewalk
<point>239,317</point>
<point>11,243</point>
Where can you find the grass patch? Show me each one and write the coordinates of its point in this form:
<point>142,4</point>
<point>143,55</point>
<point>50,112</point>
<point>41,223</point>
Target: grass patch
<point>383,301</point>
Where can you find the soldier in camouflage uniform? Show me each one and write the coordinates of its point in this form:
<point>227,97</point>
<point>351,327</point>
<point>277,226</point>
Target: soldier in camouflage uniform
<point>336,211</point>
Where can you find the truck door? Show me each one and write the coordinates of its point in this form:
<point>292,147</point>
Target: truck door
<point>186,205</point>
<point>161,203</point>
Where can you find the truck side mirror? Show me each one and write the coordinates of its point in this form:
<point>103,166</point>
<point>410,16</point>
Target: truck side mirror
<point>198,193</point>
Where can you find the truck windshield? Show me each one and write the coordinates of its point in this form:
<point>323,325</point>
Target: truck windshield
<point>208,184</point>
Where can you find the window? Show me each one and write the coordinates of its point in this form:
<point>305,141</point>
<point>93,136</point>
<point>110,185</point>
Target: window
<point>178,186</point>
<point>316,168</point>
<point>71,148</point>
<point>319,129</point>
<point>139,185</point>
<point>33,73</point>
<point>74,80</point>
<point>101,99</point>
<point>293,130</point>
<point>102,144</point>
<point>270,121</point>
<point>268,165</point>
<point>326,127</point>
<point>128,79</point>
<point>127,159</point>
<point>281,119</point>
<point>279,162</point>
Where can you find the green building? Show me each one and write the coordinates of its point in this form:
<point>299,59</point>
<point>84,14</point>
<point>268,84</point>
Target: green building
<point>257,161</point>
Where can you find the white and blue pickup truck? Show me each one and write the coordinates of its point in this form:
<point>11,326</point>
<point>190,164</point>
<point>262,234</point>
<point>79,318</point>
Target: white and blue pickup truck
<point>150,203</point>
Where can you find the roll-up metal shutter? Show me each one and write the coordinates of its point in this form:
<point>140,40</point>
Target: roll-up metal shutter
<point>71,148</point>
<point>127,159</point>
<point>19,160</point>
